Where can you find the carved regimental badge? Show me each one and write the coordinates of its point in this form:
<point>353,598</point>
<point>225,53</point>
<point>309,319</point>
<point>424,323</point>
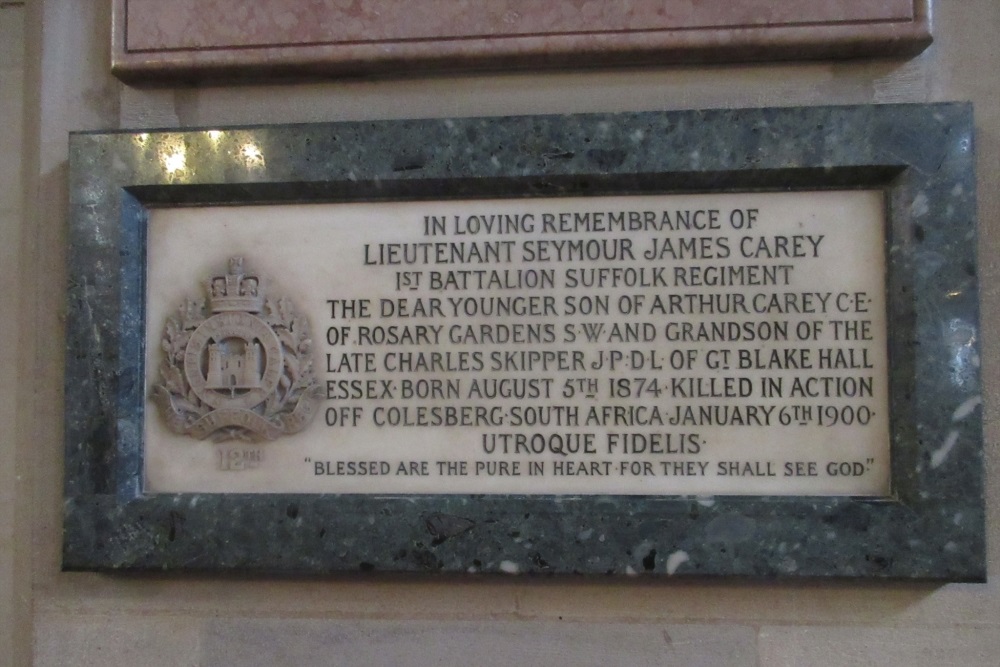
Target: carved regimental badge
<point>237,366</point>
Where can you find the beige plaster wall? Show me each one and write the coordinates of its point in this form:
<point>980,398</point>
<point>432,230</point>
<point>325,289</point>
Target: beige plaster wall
<point>54,618</point>
<point>13,591</point>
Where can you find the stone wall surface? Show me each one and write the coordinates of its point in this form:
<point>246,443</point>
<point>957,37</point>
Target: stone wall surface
<point>48,617</point>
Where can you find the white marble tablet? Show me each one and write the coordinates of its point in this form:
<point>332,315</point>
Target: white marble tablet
<point>665,344</point>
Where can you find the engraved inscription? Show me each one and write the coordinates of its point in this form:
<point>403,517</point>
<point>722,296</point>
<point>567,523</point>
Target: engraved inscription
<point>685,344</point>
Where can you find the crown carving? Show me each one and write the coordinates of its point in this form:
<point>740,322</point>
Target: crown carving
<point>236,291</point>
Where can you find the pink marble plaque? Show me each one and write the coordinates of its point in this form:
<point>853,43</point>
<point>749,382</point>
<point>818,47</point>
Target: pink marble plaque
<point>205,38</point>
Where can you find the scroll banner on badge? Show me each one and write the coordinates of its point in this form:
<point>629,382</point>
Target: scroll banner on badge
<point>209,424</point>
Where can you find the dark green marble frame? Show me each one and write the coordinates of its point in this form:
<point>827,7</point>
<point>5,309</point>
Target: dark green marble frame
<point>920,155</point>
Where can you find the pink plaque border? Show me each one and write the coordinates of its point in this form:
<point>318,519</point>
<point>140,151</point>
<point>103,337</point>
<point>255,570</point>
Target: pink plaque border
<point>727,41</point>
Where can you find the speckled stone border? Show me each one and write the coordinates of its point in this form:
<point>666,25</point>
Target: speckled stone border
<point>921,155</point>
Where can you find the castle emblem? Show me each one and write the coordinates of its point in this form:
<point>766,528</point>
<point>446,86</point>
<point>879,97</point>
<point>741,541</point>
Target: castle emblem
<point>237,365</point>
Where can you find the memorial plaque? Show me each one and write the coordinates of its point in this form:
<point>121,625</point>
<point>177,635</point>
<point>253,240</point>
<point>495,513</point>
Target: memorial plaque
<point>212,39</point>
<point>721,342</point>
<point>680,344</point>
